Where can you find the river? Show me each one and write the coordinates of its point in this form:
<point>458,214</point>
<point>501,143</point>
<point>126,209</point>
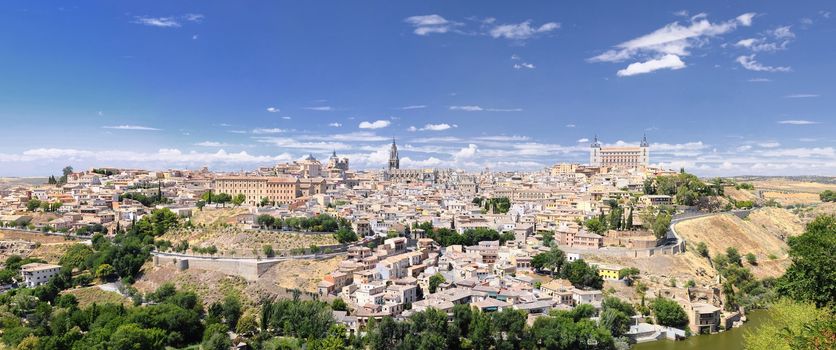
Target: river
<point>728,340</point>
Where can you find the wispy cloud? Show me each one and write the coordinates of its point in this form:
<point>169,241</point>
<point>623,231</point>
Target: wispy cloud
<point>131,127</point>
<point>320,108</point>
<point>474,108</point>
<point>759,80</point>
<point>273,110</point>
<point>162,22</point>
<point>665,47</point>
<point>163,157</point>
<point>212,144</point>
<point>260,131</point>
<point>525,65</point>
<point>436,24</point>
<point>801,96</point>
<point>169,21</point>
<point>434,127</point>
<point>773,40</point>
<point>797,122</point>
<point>749,62</point>
<point>413,107</point>
<point>522,31</point>
<point>377,124</point>
<point>429,24</point>
<point>335,125</point>
<point>194,17</point>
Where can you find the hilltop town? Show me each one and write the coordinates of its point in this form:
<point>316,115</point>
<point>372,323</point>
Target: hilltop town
<point>397,242</point>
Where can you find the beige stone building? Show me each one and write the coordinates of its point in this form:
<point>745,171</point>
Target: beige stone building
<point>620,156</point>
<point>280,190</point>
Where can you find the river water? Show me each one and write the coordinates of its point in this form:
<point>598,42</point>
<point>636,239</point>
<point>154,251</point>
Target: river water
<point>728,340</point>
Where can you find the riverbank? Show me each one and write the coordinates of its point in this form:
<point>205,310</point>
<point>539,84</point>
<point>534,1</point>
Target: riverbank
<point>728,340</point>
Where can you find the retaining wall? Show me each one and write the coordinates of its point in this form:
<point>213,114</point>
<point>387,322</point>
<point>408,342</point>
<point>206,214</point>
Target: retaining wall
<point>247,269</point>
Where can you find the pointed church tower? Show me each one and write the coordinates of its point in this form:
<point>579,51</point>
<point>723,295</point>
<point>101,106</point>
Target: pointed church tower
<point>394,159</point>
<point>644,157</point>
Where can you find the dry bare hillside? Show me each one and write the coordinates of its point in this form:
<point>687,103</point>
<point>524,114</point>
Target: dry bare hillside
<point>213,286</point>
<point>212,216</point>
<point>243,242</point>
<point>741,195</point>
<point>218,227</point>
<point>49,248</point>
<point>763,233</point>
<point>809,213</point>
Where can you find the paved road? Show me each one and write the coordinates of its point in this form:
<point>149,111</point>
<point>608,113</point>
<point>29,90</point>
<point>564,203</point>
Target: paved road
<point>673,238</point>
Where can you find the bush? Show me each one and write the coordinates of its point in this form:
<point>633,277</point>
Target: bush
<point>733,255</point>
<point>268,251</point>
<point>702,249</point>
<point>828,196</point>
<point>751,259</point>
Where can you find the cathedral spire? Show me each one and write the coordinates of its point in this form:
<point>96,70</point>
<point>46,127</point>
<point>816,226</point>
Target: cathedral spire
<point>394,158</point>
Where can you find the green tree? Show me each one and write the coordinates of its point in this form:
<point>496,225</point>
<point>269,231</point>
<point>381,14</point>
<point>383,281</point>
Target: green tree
<point>794,325</point>
<point>812,275</point>
<point>596,225</point>
<point>551,261</point>
<point>265,221</point>
<point>345,235</point>
<point>75,257</point>
<point>105,271</point>
<point>222,198</point>
<point>436,280</point>
<point>582,275</point>
<point>247,324</point>
<point>216,339</point>
<point>733,255</point>
<point>628,272</point>
<point>239,199</point>
<point>132,336</point>
<point>618,304</point>
<point>231,310</point>
<point>616,321</point>
<point>33,204</point>
<point>339,305</point>
<point>669,313</point>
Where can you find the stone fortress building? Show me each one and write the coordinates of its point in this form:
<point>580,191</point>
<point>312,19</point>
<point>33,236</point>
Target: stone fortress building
<point>619,156</point>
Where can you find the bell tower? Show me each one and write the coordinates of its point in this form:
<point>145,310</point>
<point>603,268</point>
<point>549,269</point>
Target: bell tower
<point>394,159</point>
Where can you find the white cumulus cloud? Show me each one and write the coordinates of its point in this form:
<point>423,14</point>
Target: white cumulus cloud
<point>377,124</point>
<point>669,61</point>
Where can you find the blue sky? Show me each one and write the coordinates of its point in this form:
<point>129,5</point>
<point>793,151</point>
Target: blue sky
<point>719,87</point>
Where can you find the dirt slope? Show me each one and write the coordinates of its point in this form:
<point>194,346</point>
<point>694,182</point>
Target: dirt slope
<point>213,286</point>
<point>763,233</point>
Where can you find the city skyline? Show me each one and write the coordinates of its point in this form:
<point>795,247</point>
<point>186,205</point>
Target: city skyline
<point>718,88</point>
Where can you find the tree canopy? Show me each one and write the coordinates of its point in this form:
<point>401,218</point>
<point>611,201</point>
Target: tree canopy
<point>812,275</point>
